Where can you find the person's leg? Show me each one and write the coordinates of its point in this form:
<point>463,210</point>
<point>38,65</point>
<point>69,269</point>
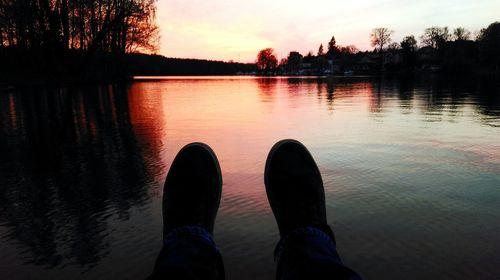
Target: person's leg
<point>295,191</point>
<point>191,198</point>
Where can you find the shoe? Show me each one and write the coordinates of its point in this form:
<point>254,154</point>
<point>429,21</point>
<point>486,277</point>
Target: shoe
<point>294,188</point>
<point>192,191</point>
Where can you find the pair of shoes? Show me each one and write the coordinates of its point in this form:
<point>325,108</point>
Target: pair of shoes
<point>294,187</point>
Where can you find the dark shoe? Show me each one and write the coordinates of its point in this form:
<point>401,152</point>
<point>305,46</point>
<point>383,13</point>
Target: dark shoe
<point>192,190</point>
<point>294,188</point>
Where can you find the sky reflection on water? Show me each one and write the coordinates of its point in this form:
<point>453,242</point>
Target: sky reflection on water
<point>410,169</point>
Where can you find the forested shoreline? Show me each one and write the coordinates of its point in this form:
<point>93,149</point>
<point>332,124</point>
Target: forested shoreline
<point>110,26</point>
<point>440,50</point>
<point>73,41</point>
<point>22,67</point>
<point>62,41</point>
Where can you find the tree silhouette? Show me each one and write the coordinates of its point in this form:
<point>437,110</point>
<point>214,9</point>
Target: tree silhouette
<point>479,36</point>
<point>461,34</point>
<point>308,58</point>
<point>332,47</point>
<point>116,26</point>
<point>409,43</point>
<point>294,61</point>
<point>266,60</point>
<point>348,50</point>
<point>490,45</point>
<point>321,51</point>
<point>320,62</point>
<point>408,50</point>
<point>435,37</point>
<point>380,37</point>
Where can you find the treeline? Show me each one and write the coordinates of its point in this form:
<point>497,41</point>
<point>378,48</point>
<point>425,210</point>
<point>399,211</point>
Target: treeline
<point>439,49</point>
<point>63,41</point>
<point>157,65</point>
<point>111,26</point>
<point>78,67</point>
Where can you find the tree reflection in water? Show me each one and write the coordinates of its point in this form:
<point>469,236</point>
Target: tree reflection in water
<point>70,160</point>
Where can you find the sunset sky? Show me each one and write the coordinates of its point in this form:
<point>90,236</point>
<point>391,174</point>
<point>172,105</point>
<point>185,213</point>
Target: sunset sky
<point>237,30</point>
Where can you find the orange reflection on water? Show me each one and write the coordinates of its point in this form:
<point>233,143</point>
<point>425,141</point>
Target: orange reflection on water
<point>174,113</point>
<point>240,119</point>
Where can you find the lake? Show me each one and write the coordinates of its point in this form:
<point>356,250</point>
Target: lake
<point>411,168</point>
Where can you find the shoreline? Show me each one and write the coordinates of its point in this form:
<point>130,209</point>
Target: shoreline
<point>12,84</point>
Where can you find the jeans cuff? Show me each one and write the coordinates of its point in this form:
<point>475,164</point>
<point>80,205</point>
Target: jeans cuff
<point>191,231</point>
<point>301,233</point>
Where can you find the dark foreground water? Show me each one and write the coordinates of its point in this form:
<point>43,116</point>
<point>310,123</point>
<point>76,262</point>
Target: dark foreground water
<point>411,171</point>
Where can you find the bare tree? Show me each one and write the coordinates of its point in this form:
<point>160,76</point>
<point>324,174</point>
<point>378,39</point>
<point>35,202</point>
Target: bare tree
<point>380,37</point>
<point>435,37</point>
<point>461,34</point>
<point>116,26</point>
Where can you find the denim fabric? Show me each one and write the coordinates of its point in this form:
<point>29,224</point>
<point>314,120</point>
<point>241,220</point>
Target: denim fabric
<point>189,253</point>
<point>310,253</point>
<point>306,253</point>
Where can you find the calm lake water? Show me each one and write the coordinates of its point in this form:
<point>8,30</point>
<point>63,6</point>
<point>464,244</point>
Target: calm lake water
<point>411,170</point>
